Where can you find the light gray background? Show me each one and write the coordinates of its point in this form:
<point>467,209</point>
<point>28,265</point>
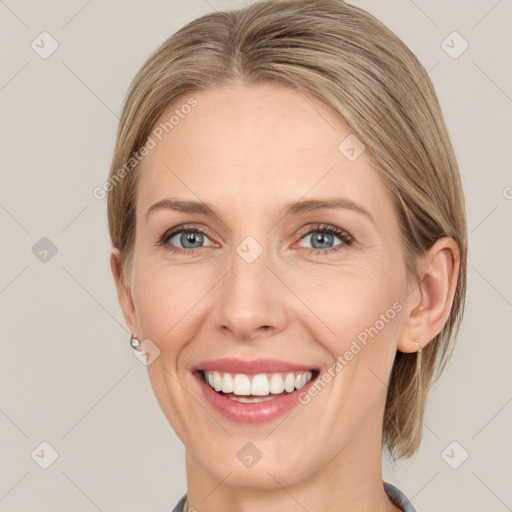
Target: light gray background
<point>67,373</point>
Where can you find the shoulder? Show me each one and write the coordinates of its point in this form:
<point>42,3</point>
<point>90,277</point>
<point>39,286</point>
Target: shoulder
<point>398,498</point>
<point>179,506</point>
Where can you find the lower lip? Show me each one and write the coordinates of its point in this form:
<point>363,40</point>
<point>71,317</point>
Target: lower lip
<point>258,412</point>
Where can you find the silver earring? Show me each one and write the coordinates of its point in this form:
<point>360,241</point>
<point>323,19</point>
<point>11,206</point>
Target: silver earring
<point>419,348</point>
<point>134,341</point>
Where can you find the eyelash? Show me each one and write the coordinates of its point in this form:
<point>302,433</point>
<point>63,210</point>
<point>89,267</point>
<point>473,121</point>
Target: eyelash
<point>346,238</point>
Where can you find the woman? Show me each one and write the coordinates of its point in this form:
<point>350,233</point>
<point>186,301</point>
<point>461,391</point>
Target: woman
<point>289,249</point>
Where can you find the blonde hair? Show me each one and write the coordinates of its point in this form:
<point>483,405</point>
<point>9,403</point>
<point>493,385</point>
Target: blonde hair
<point>349,60</point>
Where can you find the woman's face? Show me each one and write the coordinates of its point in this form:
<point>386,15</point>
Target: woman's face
<point>257,276</point>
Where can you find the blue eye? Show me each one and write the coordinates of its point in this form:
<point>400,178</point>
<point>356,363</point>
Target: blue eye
<point>185,239</point>
<point>322,238</point>
<point>189,239</point>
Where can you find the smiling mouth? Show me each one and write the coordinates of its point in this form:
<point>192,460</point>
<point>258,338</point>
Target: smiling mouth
<point>253,388</point>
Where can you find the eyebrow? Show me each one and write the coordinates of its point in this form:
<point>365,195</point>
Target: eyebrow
<point>294,208</point>
<point>311,205</point>
<point>183,206</point>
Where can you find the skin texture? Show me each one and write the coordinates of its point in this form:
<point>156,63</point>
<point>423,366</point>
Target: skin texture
<point>247,150</point>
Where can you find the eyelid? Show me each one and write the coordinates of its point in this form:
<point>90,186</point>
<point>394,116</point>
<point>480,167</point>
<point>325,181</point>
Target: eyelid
<point>330,228</point>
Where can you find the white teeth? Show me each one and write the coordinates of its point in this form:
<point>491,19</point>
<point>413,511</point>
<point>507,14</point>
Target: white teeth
<point>260,385</point>
<point>251,400</point>
<point>289,382</point>
<point>241,384</point>
<point>217,381</point>
<point>227,383</point>
<point>276,384</point>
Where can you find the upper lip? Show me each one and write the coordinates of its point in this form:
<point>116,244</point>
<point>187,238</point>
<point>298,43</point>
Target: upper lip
<point>232,365</point>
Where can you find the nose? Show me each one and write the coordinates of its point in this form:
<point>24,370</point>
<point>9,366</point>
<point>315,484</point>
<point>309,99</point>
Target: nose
<point>251,301</point>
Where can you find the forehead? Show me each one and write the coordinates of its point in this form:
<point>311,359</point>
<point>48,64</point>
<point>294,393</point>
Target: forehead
<point>260,144</point>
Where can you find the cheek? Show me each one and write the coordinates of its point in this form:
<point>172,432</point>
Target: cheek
<point>167,300</point>
<point>164,297</point>
<point>353,304</point>
<point>172,304</point>
<point>347,299</point>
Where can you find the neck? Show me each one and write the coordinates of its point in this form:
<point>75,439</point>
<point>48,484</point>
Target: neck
<point>350,480</point>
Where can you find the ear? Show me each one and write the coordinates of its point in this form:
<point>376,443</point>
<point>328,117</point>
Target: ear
<point>429,302</point>
<point>124,293</point>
